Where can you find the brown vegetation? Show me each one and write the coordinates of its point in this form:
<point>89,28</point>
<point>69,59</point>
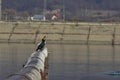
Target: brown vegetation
<point>74,9</point>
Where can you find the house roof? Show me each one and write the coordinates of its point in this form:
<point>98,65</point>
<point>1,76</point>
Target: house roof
<point>38,16</point>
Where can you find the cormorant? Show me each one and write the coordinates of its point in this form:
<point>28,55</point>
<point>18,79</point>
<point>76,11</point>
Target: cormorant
<point>42,44</point>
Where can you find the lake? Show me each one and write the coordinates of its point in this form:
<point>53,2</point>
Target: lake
<point>66,61</point>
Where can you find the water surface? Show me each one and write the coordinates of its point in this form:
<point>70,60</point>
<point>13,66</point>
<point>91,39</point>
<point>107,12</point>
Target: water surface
<point>82,62</point>
<point>66,62</point>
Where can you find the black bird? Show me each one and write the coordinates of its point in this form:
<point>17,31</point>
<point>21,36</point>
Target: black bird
<point>42,44</point>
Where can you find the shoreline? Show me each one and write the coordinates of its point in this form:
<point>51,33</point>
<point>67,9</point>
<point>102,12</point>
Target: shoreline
<point>63,42</point>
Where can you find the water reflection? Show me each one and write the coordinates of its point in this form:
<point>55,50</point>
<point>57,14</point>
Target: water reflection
<point>81,62</point>
<point>67,62</point>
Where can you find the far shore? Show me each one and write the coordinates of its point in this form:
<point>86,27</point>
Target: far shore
<point>60,32</point>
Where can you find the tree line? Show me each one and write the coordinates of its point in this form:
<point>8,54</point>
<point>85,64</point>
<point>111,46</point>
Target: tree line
<point>74,9</point>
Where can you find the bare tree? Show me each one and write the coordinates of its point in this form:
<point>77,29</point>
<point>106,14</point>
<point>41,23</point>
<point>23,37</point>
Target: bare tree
<point>9,14</point>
